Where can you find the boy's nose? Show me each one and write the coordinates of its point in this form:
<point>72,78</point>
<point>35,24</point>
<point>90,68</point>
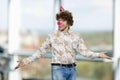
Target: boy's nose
<point>59,23</point>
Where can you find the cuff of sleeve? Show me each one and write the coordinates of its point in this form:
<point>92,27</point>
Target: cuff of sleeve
<point>97,55</point>
<point>26,61</point>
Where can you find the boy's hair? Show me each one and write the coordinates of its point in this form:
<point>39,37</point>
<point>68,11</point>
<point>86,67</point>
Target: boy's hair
<point>65,15</point>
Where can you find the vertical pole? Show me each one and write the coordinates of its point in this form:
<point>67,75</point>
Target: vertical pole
<point>116,41</point>
<point>14,24</point>
<point>57,4</point>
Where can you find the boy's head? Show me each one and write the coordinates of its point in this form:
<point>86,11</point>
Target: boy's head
<point>66,16</point>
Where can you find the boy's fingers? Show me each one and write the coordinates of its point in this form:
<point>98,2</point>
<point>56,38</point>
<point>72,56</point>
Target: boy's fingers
<point>16,67</point>
<point>106,56</point>
<point>110,58</point>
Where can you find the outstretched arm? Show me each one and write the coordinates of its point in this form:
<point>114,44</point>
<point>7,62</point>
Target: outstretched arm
<point>43,49</point>
<point>81,47</point>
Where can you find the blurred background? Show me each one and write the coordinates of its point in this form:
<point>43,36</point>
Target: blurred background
<point>24,25</point>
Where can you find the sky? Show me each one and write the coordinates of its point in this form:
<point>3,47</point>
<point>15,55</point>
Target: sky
<point>89,15</point>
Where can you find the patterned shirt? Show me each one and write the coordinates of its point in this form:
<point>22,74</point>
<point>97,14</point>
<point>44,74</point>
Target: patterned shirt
<point>63,46</point>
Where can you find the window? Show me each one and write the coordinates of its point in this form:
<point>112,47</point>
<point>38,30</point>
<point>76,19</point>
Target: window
<point>93,19</point>
<point>37,22</point>
<point>3,23</point>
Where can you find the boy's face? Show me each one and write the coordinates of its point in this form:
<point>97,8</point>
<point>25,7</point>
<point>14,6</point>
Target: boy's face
<point>62,24</point>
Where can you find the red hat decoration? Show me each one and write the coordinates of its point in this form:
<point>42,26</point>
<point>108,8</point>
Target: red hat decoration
<point>62,9</point>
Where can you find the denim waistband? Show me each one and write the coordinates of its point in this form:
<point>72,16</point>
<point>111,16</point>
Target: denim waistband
<point>66,65</point>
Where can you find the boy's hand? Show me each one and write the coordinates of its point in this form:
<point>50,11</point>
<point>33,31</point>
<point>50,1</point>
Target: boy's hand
<point>20,64</point>
<point>103,55</point>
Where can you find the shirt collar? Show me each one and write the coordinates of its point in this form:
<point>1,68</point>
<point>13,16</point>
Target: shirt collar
<point>65,33</point>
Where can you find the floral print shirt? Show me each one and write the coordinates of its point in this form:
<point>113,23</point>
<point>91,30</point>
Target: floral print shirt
<point>63,46</point>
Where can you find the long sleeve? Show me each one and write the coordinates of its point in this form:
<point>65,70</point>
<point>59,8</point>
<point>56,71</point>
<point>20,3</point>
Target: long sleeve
<point>83,50</point>
<point>43,49</point>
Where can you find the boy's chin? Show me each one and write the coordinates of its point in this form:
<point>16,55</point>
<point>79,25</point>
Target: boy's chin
<point>61,29</point>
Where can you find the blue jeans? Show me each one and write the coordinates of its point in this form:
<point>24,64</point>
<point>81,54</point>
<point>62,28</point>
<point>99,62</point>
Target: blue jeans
<point>63,73</point>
